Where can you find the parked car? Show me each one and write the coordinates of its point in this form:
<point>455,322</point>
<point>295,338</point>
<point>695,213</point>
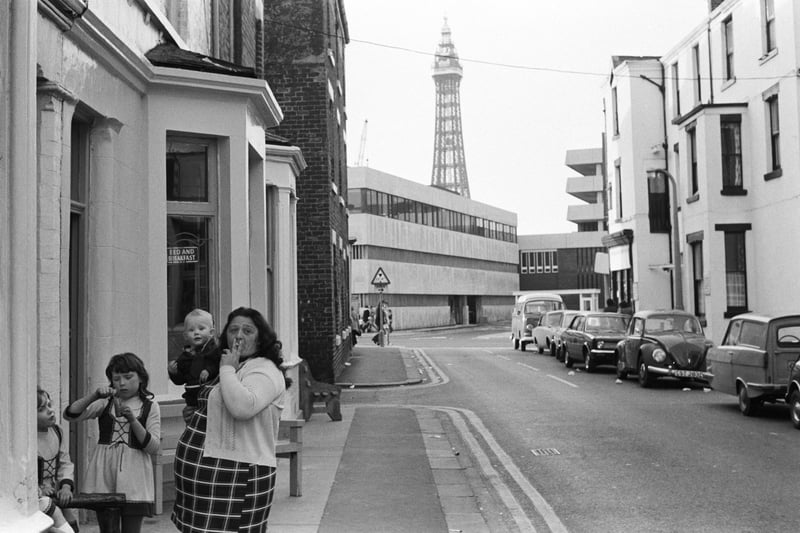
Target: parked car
<point>528,309</point>
<point>565,320</point>
<point>663,344</point>
<point>756,358</point>
<point>793,395</point>
<point>543,333</point>
<point>592,338</point>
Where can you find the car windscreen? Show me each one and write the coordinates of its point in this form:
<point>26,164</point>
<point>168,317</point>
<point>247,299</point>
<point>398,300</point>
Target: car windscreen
<point>606,324</point>
<point>553,319</point>
<point>665,323</point>
<point>540,306</point>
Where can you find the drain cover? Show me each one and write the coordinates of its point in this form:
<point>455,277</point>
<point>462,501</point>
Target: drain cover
<point>545,451</point>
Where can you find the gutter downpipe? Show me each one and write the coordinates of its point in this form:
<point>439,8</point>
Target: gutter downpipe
<point>674,247</point>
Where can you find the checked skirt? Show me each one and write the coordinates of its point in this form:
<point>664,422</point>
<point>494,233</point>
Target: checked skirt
<point>218,495</point>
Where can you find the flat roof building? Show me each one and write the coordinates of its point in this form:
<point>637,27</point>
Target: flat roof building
<point>449,259</point>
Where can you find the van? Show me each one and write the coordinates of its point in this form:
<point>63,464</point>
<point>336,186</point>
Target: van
<point>528,309</point>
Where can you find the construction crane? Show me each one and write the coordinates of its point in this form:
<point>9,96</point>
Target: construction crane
<point>362,147</point>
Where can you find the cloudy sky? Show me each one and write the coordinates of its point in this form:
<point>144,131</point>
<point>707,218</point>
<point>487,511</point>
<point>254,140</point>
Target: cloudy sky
<point>532,87</point>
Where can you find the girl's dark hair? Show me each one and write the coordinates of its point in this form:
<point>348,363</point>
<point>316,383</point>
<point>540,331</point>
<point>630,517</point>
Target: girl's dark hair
<point>41,397</point>
<point>267,345</point>
<point>122,363</point>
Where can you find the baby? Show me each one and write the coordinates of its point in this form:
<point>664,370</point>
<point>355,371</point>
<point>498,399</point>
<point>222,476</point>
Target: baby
<point>199,361</point>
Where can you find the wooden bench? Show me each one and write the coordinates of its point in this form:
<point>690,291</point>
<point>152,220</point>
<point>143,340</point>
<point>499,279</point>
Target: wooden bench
<point>95,501</point>
<point>313,391</point>
<point>288,447</point>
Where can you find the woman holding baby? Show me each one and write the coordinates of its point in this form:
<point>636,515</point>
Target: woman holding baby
<point>225,462</point>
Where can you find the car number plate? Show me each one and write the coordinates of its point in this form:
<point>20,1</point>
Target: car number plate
<point>687,374</point>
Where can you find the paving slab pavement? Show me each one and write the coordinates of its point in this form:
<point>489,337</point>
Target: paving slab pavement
<point>381,468</point>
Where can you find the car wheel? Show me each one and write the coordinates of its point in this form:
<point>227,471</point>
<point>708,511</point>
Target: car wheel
<point>622,373</point>
<point>522,345</point>
<point>539,347</point>
<point>645,379</point>
<point>747,405</point>
<point>567,359</point>
<point>794,408</point>
<point>553,350</point>
<point>588,365</point>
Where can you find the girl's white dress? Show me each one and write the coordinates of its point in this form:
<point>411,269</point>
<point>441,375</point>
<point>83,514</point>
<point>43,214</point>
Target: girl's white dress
<point>119,463</point>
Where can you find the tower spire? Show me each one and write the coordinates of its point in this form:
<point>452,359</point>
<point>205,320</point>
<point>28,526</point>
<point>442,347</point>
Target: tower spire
<point>449,165</point>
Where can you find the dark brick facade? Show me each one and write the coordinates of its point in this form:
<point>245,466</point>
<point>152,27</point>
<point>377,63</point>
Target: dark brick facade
<point>304,44</point>
<point>575,271</point>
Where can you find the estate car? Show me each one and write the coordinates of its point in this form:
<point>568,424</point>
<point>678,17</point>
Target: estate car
<point>544,332</point>
<point>756,358</point>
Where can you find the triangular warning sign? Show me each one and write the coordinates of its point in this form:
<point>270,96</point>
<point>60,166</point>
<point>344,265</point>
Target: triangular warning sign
<point>380,278</point>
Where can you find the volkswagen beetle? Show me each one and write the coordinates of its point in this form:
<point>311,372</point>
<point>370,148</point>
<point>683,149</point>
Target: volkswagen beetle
<point>663,344</point>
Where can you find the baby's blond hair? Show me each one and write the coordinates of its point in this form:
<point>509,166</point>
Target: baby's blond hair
<point>201,314</point>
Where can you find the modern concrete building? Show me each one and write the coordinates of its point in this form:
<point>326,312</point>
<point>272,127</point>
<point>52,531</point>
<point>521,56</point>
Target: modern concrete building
<point>567,263</point>
<point>718,115</point>
<point>138,182</point>
<point>449,259</point>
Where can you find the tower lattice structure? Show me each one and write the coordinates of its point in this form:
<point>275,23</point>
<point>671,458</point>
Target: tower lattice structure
<point>449,164</point>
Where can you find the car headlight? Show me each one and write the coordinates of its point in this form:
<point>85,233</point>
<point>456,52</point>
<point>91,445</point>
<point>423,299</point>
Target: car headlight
<point>600,344</point>
<point>528,327</point>
<point>659,355</point>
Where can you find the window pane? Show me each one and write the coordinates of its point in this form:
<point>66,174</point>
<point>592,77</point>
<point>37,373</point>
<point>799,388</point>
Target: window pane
<point>187,173</point>
<point>188,273</point>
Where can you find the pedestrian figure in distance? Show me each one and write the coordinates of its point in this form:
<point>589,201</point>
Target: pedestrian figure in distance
<point>611,306</point>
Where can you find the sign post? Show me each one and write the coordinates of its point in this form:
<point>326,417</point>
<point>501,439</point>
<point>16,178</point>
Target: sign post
<point>380,280</point>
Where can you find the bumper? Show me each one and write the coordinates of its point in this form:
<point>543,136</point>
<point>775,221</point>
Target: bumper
<point>603,356</point>
<point>678,373</point>
<point>769,390</point>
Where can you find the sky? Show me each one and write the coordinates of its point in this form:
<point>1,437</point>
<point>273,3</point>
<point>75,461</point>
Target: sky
<point>532,88</point>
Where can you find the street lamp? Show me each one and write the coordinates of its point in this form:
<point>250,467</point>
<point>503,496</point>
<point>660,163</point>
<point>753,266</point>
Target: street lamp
<point>677,287</point>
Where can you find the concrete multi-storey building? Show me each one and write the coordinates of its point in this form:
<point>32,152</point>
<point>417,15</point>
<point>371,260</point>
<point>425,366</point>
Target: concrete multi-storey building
<point>449,260</point>
<point>137,181</point>
<point>567,263</point>
<point>304,63</point>
<point>719,115</point>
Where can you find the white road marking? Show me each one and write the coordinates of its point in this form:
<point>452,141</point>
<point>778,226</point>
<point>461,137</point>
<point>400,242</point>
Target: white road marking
<point>528,366</point>
<point>504,357</point>
<point>564,381</point>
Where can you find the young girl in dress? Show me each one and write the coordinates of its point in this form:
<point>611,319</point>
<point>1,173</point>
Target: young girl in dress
<point>55,468</point>
<point>130,433</point>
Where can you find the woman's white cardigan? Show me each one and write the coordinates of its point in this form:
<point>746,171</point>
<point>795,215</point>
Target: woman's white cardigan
<point>244,412</point>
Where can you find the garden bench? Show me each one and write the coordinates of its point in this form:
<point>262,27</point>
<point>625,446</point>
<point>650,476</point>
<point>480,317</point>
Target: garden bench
<point>312,391</point>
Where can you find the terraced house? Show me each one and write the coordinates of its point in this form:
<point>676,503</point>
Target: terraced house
<point>139,180</point>
<point>704,168</point>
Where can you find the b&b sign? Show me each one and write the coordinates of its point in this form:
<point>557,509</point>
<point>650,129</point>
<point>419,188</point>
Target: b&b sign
<point>178,255</point>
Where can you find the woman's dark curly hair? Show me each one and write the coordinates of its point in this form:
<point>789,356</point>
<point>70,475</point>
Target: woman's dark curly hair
<point>122,363</point>
<point>267,345</point>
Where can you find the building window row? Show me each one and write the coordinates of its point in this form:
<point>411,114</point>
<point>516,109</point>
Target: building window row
<point>539,262</point>
<point>389,205</point>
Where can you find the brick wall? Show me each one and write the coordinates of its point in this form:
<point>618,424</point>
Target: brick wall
<point>298,69</point>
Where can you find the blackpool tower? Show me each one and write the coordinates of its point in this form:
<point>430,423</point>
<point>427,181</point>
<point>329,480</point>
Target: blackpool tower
<point>449,166</point>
